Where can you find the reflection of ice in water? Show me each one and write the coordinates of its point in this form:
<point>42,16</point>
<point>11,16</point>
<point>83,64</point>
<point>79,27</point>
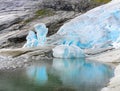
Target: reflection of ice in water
<point>38,74</point>
<point>80,74</point>
<point>76,73</point>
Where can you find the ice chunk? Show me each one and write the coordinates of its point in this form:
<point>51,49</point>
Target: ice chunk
<point>31,40</point>
<point>66,51</point>
<point>41,33</point>
<point>34,40</point>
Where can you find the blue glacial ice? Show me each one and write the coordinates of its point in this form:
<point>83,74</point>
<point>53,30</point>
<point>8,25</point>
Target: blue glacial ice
<point>97,28</point>
<point>41,33</point>
<point>31,40</point>
<point>39,39</point>
<point>66,51</point>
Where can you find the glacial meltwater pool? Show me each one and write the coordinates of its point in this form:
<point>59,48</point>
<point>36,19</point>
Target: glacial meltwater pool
<point>57,75</point>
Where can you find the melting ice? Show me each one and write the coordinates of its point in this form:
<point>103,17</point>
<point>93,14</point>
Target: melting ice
<point>98,28</point>
<point>39,39</point>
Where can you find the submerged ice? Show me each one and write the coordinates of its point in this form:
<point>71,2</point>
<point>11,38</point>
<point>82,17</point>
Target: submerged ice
<point>97,28</point>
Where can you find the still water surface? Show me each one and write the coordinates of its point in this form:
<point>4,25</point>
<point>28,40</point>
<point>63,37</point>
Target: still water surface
<point>57,75</point>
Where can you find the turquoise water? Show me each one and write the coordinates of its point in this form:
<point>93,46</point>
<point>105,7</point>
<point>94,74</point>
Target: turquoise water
<point>57,75</point>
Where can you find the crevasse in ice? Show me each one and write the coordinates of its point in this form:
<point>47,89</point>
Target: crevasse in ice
<point>39,39</point>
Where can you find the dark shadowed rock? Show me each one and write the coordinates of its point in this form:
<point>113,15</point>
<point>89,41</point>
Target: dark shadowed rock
<point>68,5</point>
<point>8,20</point>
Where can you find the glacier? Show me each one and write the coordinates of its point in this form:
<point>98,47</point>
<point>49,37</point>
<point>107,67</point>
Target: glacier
<point>97,28</point>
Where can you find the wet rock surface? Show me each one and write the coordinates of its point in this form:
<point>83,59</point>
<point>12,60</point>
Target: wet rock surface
<point>114,84</point>
<point>21,57</point>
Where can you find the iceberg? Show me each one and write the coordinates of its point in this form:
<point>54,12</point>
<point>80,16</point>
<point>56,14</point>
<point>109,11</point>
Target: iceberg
<point>39,39</point>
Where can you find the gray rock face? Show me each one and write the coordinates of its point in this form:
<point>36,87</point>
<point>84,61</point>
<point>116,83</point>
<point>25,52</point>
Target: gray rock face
<point>17,38</point>
<point>14,11</point>
<point>68,5</point>
<point>15,58</point>
<point>15,6</point>
<point>9,20</point>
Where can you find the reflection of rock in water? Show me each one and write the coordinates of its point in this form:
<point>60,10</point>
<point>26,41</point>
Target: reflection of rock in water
<point>85,76</point>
